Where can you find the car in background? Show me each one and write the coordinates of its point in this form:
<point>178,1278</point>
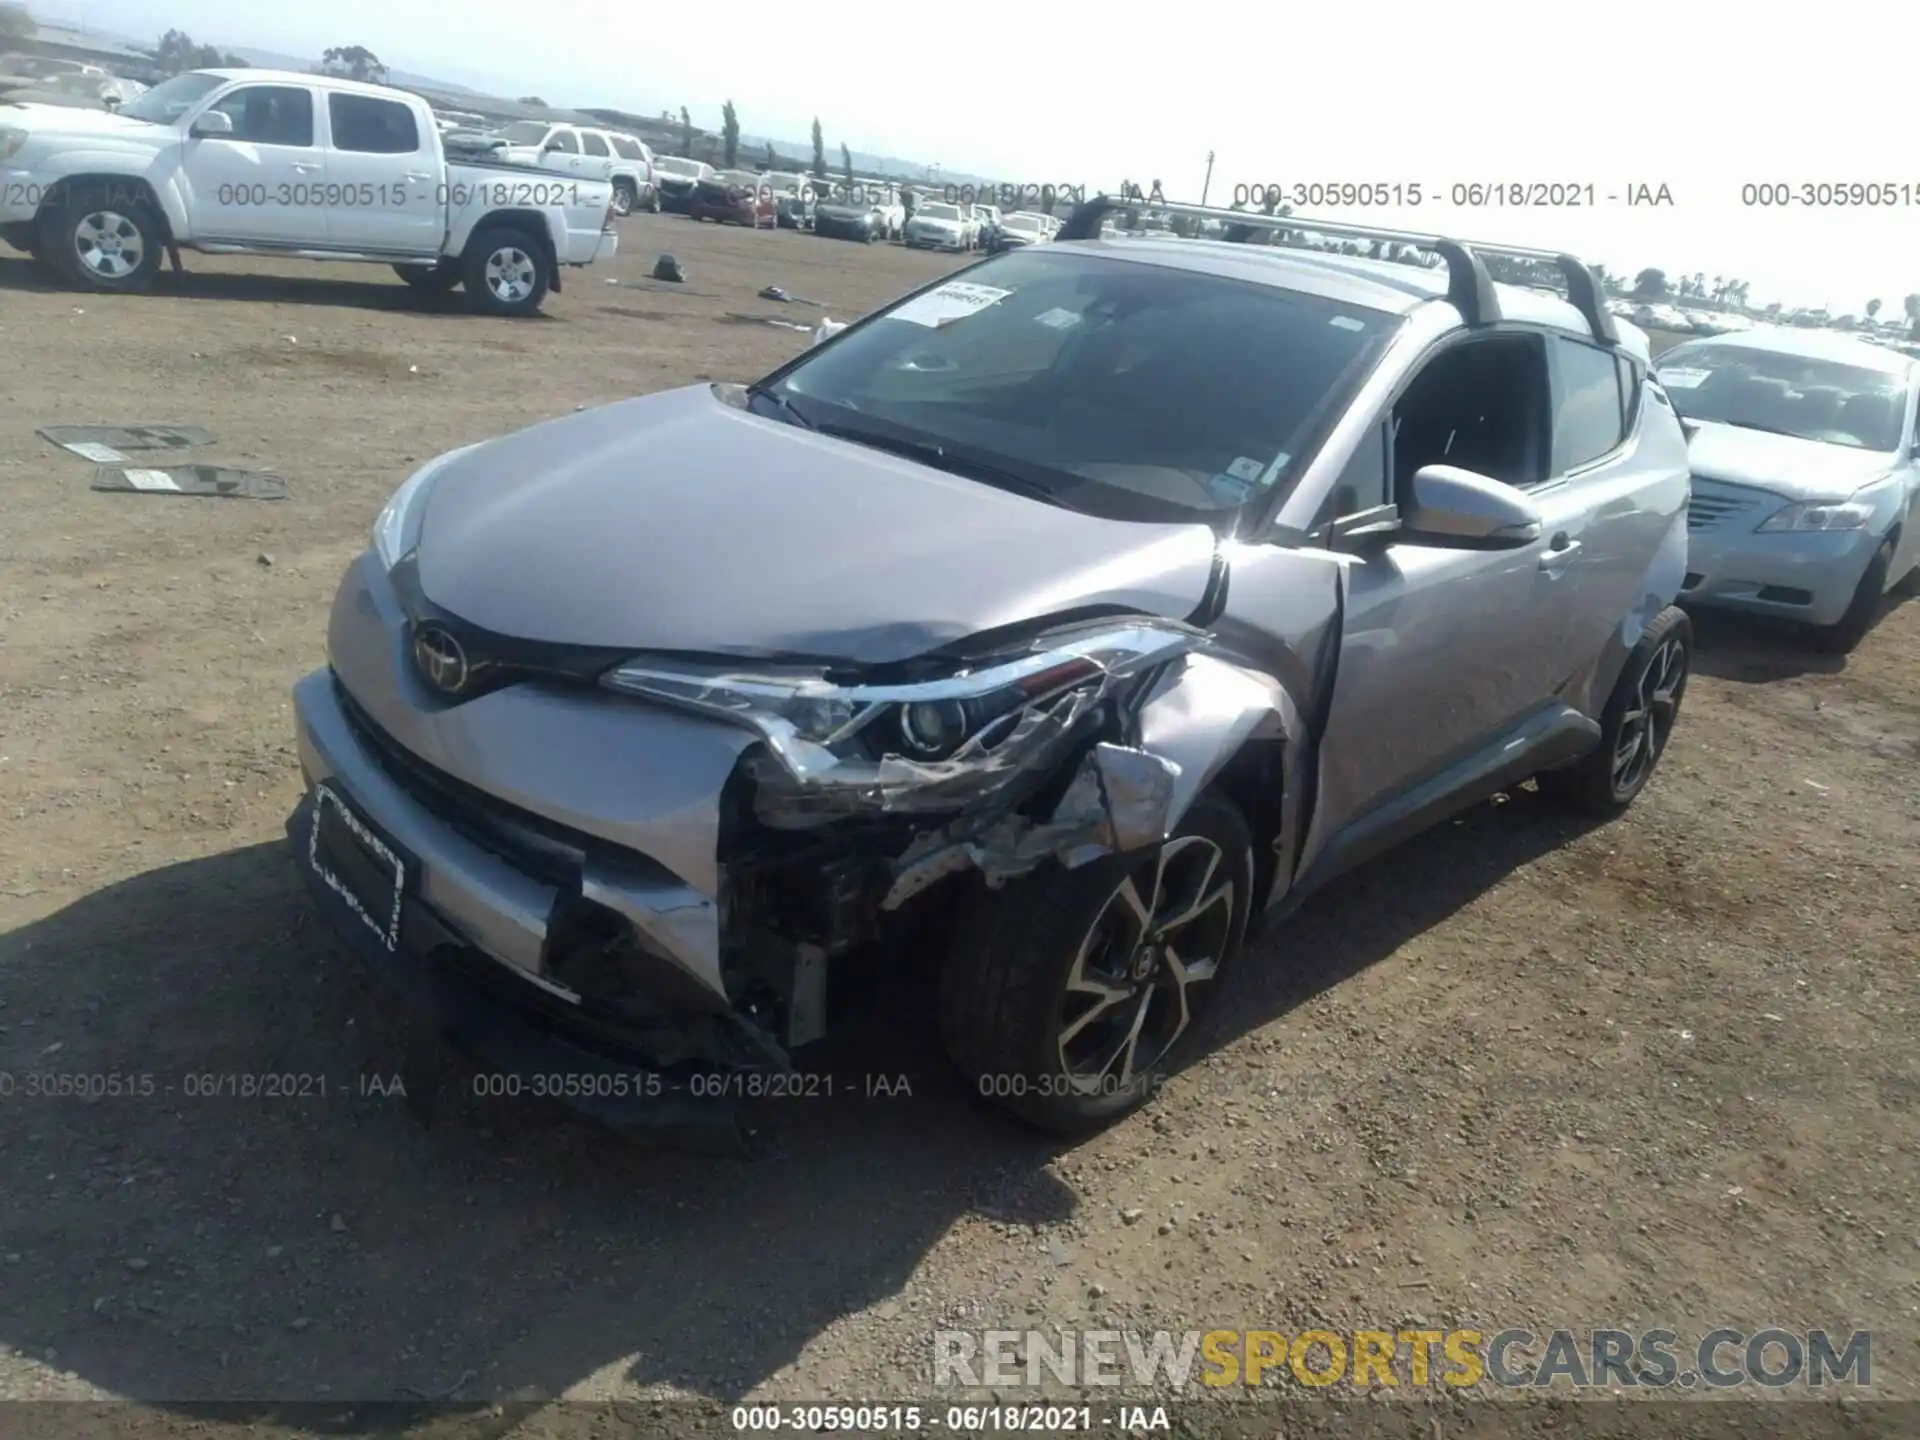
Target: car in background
<point>634,187</point>
<point>1803,452</point>
<point>676,176</point>
<point>735,197</point>
<point>565,149</point>
<point>939,225</point>
<point>1021,228</point>
<point>633,755</point>
<point>850,213</point>
<point>100,199</point>
<point>986,223</point>
<point>793,198</point>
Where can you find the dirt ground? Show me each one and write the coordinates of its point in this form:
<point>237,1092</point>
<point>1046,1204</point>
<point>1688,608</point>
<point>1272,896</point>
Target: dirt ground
<point>1519,1073</point>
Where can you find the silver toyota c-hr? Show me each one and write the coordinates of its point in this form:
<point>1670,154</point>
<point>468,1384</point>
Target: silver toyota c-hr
<point>1056,623</point>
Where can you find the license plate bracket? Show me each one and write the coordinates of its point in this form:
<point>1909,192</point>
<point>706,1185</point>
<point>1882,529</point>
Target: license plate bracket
<point>359,864</point>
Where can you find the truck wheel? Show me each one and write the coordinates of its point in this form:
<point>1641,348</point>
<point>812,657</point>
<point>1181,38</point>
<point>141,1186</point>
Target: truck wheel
<point>1636,724</point>
<point>1067,996</point>
<point>623,197</point>
<point>101,238</point>
<point>430,279</point>
<point>505,271</point>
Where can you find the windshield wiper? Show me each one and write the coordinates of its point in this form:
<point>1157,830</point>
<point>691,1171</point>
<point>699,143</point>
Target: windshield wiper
<point>773,396</point>
<point>940,457</point>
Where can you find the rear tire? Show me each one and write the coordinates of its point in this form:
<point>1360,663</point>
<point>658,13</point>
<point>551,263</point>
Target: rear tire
<point>505,271</point>
<point>1057,972</point>
<point>1636,724</point>
<point>1844,637</point>
<point>624,198</point>
<point>430,279</point>
<point>104,239</point>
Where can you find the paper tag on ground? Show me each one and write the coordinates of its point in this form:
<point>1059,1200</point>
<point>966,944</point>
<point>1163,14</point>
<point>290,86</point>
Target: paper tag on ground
<point>953,301</point>
<point>150,480</point>
<point>99,454</point>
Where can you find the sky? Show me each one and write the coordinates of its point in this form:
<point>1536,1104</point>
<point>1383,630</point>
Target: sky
<point>1699,98</point>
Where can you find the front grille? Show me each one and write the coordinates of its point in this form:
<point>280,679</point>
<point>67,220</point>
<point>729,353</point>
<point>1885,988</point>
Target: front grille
<point>1707,510</point>
<point>533,845</point>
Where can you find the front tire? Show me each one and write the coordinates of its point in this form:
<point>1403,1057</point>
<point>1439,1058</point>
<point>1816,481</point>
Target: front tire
<point>1067,996</point>
<point>103,240</point>
<point>1635,725</point>
<point>1844,637</point>
<point>505,271</point>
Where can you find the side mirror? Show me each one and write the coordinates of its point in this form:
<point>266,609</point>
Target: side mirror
<point>1451,506</point>
<point>214,122</point>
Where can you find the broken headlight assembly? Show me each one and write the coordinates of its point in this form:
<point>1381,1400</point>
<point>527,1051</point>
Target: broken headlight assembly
<point>924,747</point>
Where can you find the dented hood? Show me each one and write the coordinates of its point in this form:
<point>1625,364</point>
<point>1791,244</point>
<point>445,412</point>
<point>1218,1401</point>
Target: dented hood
<point>677,522</point>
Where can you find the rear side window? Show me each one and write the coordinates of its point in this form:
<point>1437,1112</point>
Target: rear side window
<point>372,127</point>
<point>1588,417</point>
<point>592,143</point>
<point>269,115</point>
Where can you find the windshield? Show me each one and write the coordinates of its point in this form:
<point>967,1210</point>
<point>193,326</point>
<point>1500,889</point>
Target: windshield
<point>1022,222</point>
<point>785,182</point>
<point>939,212</point>
<point>1131,391</point>
<point>674,165</point>
<point>169,100</point>
<point>525,132</point>
<point>1797,395</point>
<point>743,178</point>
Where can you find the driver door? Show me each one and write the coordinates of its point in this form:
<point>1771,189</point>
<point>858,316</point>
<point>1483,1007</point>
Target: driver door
<point>1439,656</point>
<point>266,182</point>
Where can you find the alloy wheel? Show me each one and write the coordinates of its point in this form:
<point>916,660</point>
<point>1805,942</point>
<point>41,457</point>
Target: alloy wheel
<point>511,274</point>
<point>108,244</point>
<point>1129,997</point>
<point>1646,724</point>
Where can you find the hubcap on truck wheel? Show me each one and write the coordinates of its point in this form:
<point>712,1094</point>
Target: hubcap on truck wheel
<point>1127,995</point>
<point>511,274</point>
<point>108,244</point>
<point>1648,720</point>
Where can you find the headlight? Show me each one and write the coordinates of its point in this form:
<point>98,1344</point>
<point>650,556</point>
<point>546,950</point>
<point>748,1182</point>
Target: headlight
<point>1820,515</point>
<point>11,141</point>
<point>931,746</point>
<point>397,530</point>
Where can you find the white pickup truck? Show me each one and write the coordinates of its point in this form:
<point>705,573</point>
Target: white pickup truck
<point>233,162</point>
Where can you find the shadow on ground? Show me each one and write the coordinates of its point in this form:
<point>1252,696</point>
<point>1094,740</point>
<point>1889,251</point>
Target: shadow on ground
<point>188,1247</point>
<point>1752,650</point>
<point>382,290</point>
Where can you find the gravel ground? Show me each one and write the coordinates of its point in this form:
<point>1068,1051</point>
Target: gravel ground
<point>1518,1073</point>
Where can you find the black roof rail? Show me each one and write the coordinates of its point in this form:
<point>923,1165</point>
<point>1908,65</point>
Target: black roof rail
<point>1469,286</point>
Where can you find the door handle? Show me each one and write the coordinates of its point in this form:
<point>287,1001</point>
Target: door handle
<point>419,175</point>
<point>1563,551</point>
<point>301,167</point>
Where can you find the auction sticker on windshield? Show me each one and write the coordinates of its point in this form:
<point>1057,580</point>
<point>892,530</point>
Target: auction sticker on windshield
<point>1681,379</point>
<point>953,301</point>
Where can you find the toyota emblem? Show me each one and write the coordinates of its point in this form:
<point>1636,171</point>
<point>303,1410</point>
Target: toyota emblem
<point>440,659</point>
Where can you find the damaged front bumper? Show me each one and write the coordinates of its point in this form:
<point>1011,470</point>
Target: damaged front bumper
<point>638,890</point>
